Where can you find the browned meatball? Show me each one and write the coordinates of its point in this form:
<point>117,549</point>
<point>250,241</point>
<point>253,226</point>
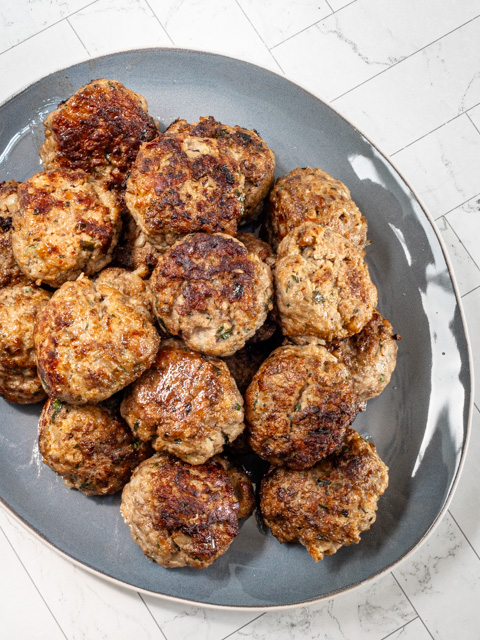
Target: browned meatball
<point>132,285</point>
<point>19,307</point>
<point>181,184</point>
<point>98,129</point>
<point>133,250</point>
<point>66,223</point>
<point>255,158</point>
<point>91,447</point>
<point>187,403</point>
<point>370,356</point>
<point>331,504</point>
<point>323,287</point>
<point>298,406</point>
<point>211,292</point>
<point>258,246</point>
<point>311,195</point>
<point>245,362</point>
<point>10,272</point>
<point>91,342</point>
<point>179,514</point>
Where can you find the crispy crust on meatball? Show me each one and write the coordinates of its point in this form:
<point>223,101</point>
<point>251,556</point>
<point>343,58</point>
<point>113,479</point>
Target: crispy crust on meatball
<point>98,129</point>
<point>90,446</point>
<point>181,515</point>
<point>330,505</point>
<point>323,286</point>
<point>370,356</point>
<point>181,184</point>
<point>255,159</point>
<point>91,342</point>
<point>10,273</point>
<point>311,195</point>
<point>132,285</point>
<point>187,403</point>
<point>19,307</point>
<point>211,292</point>
<point>66,224</point>
<point>298,406</point>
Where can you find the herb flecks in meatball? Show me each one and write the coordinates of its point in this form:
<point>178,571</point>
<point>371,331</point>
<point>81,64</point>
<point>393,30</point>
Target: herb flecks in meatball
<point>331,504</point>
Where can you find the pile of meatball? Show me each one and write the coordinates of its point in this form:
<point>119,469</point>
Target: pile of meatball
<point>169,344</point>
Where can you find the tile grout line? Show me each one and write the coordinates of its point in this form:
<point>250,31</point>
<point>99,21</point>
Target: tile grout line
<point>151,614</point>
<point>67,20</point>
<point>243,626</point>
<point>34,583</point>
<point>464,534</point>
<point>160,23</point>
<point>460,241</point>
<point>53,24</point>
<point>404,626</point>
<point>477,195</point>
<point>410,55</point>
<point>411,604</point>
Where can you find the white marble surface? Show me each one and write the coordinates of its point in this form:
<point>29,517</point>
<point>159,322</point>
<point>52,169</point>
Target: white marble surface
<point>407,74</point>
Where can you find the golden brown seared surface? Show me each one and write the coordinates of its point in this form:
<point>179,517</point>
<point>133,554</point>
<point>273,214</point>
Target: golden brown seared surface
<point>187,403</point>
<point>91,342</point>
<point>181,515</point>
<point>323,287</point>
<point>298,406</point>
<point>311,195</point>
<point>91,447</point>
<point>242,487</point>
<point>181,184</point>
<point>133,250</point>
<point>370,356</point>
<point>66,223</point>
<point>19,306</point>
<point>98,129</point>
<point>10,273</point>
<point>255,159</point>
<point>132,285</point>
<point>258,246</point>
<point>329,505</point>
<point>211,292</point>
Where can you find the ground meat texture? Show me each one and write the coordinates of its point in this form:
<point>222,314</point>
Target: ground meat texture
<point>331,504</point>
<point>90,446</point>
<point>66,224</point>
<point>181,515</point>
<point>181,184</point>
<point>10,272</point>
<point>255,159</point>
<point>132,285</point>
<point>311,195</point>
<point>98,129</point>
<point>323,286</point>
<point>19,307</point>
<point>370,356</point>
<point>187,403</point>
<point>211,292</point>
<point>258,246</point>
<point>298,406</point>
<point>133,250</point>
<point>91,342</point>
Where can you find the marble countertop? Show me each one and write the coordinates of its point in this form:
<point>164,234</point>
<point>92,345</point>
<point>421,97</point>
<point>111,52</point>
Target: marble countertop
<point>407,74</point>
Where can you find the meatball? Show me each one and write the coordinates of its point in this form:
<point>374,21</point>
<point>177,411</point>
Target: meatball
<point>187,403</point>
<point>98,129</point>
<point>179,514</point>
<point>323,287</point>
<point>328,506</point>
<point>91,342</point>
<point>299,405</point>
<point>255,159</point>
<point>10,272</point>
<point>19,307</point>
<point>245,362</point>
<point>370,356</point>
<point>67,223</point>
<point>90,446</point>
<point>133,250</point>
<point>311,195</point>
<point>211,292</point>
<point>258,246</point>
<point>132,285</point>
<point>181,184</point>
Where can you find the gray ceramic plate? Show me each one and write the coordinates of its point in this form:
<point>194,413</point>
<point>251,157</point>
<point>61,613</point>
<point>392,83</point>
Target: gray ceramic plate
<point>419,424</point>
